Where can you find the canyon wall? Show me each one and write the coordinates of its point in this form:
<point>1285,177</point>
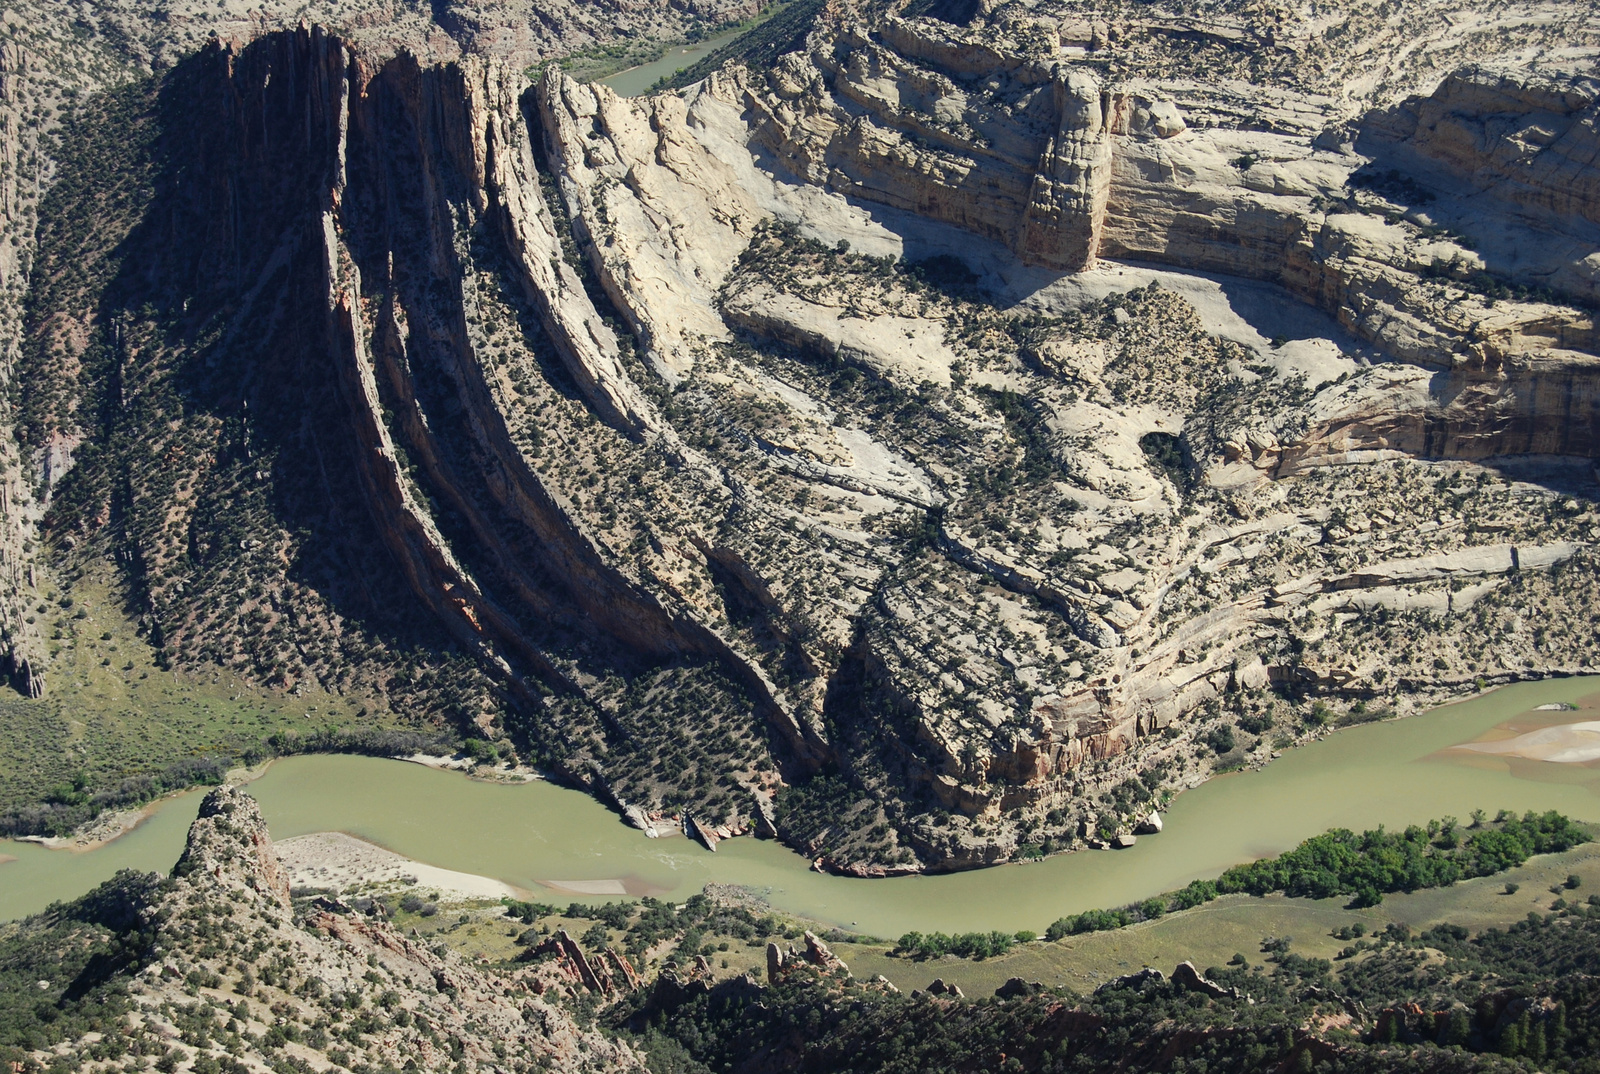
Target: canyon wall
<point>1020,136</point>
<point>855,449</point>
<point>927,126</point>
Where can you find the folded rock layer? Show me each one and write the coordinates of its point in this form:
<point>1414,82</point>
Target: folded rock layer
<point>937,448</point>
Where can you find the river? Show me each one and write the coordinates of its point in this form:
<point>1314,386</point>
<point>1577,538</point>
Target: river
<point>531,834</point>
<point>638,80</point>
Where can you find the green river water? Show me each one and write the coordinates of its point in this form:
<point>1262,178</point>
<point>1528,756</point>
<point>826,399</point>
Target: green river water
<point>1386,773</point>
<point>637,80</point>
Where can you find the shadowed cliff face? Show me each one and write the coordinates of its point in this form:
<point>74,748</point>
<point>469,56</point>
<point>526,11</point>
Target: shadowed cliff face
<point>450,250</point>
<point>222,465</point>
<point>64,70</point>
<point>794,453</point>
<point>350,338</point>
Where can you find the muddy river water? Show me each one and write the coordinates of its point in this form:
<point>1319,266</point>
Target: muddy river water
<point>537,836</point>
<point>638,80</point>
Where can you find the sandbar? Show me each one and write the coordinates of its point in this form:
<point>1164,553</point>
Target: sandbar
<point>337,860</point>
<point>1566,743</point>
<point>588,887</point>
<point>503,773</point>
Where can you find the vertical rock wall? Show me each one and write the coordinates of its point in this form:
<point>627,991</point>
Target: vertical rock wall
<point>1067,205</point>
<point>21,180</point>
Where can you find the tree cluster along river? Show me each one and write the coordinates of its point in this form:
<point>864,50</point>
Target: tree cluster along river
<point>532,834</point>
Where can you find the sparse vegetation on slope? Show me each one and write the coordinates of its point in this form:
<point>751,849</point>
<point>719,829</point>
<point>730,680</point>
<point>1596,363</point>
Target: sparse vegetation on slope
<point>610,431</point>
<point>1442,1000</point>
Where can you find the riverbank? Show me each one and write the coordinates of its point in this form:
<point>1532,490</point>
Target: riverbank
<point>460,762</point>
<point>114,824</point>
<point>633,66</point>
<point>105,828</point>
<point>1394,772</point>
<point>118,730</point>
<point>641,78</point>
<point>1211,935</point>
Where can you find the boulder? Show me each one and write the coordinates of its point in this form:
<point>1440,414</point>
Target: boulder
<point>820,955</point>
<point>706,833</point>
<point>641,820</point>
<point>1016,986</point>
<point>1140,979</point>
<point>1251,675</point>
<point>1185,976</point>
<point>766,824</point>
<point>1166,119</point>
<point>775,961</point>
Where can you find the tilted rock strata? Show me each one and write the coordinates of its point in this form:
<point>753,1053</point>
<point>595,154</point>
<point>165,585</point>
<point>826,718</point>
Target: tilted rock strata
<point>628,171</point>
<point>890,115</point>
<point>401,300</point>
<point>45,65</point>
<point>919,565</point>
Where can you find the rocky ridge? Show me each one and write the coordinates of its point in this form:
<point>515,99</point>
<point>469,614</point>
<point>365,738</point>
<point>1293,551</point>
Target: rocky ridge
<point>237,974</point>
<point>51,58</point>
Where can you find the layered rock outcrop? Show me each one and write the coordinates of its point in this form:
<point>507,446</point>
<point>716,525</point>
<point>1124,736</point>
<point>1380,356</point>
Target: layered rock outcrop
<point>864,436</point>
<point>1012,135</point>
<point>1525,136</point>
<point>50,59</point>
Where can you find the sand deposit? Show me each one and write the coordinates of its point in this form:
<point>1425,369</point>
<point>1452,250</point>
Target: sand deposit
<point>1568,743</point>
<point>337,861</point>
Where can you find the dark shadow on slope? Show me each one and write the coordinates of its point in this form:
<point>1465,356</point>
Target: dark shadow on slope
<point>211,389</point>
<point>955,12</point>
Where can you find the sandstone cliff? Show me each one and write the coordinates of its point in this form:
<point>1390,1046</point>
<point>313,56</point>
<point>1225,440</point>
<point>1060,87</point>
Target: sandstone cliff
<point>950,441</point>
<point>46,64</point>
<point>922,118</point>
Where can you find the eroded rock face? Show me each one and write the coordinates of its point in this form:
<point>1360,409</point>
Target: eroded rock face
<point>996,134</point>
<point>1072,181</point>
<point>1060,165</point>
<point>229,846</point>
<point>52,59</point>
<point>1526,136</point>
<point>865,415</point>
